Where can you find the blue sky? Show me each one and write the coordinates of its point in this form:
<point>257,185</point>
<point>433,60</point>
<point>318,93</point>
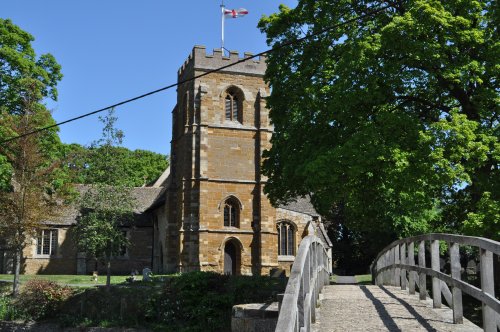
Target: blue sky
<point>113,50</point>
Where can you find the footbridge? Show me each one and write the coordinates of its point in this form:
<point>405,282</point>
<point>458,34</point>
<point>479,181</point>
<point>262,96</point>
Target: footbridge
<point>417,287</point>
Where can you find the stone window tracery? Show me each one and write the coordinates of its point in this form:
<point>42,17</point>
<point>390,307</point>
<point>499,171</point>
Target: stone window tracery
<point>286,238</point>
<point>232,106</point>
<point>231,212</point>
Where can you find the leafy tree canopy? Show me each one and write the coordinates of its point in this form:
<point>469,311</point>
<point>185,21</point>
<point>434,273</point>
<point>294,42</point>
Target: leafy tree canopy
<point>107,206</point>
<point>393,118</point>
<point>31,180</point>
<point>129,168</point>
<point>18,62</point>
<point>25,81</point>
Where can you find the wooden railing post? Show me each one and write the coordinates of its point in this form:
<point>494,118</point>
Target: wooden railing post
<point>488,286</point>
<point>411,261</point>
<point>436,283</point>
<point>387,273</point>
<point>378,276</point>
<point>404,260</point>
<point>398,258</point>
<point>306,306</point>
<point>422,282</point>
<point>456,292</point>
<point>397,271</point>
<point>307,277</point>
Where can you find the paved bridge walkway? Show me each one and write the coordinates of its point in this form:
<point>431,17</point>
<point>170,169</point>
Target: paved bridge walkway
<point>349,307</point>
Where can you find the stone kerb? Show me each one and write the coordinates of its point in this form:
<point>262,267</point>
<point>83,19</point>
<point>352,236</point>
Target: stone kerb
<point>200,60</point>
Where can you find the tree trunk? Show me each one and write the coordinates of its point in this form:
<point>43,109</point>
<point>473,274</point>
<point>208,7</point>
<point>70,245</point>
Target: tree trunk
<point>108,271</point>
<point>17,270</point>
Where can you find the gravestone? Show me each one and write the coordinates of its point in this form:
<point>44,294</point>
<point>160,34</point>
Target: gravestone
<point>471,267</point>
<point>146,274</point>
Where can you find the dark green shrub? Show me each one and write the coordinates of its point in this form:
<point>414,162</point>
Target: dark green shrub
<point>202,301</point>
<point>41,298</point>
<point>7,309</point>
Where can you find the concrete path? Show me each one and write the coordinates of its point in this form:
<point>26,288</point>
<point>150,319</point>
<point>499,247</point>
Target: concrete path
<point>345,280</point>
<point>349,308</point>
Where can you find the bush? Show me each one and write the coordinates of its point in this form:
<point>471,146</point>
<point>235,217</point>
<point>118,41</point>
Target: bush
<point>202,301</point>
<point>7,310</point>
<point>41,298</point>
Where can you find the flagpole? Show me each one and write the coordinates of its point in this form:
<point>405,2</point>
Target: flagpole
<point>222,20</point>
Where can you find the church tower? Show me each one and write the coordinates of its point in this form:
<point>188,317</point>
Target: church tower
<point>217,216</point>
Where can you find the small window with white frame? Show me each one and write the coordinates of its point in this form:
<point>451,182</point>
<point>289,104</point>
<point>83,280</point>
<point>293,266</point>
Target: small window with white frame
<point>47,241</point>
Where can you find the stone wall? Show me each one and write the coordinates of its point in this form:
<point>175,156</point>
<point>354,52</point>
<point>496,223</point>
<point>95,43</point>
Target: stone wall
<point>65,260</point>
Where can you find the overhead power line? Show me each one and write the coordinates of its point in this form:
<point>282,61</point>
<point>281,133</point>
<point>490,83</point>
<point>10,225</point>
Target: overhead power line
<point>296,41</point>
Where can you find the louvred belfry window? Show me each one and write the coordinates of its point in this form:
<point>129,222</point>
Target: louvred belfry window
<point>231,213</point>
<point>286,238</point>
<point>232,107</point>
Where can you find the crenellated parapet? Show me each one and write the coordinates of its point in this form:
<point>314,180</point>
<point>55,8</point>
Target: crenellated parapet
<point>199,60</point>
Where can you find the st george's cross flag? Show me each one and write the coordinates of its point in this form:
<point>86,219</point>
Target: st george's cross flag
<point>235,13</point>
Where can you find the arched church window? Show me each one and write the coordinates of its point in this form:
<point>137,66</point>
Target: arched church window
<point>232,106</point>
<point>286,238</point>
<point>231,212</point>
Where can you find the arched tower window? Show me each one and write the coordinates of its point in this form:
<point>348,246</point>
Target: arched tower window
<point>286,238</point>
<point>232,106</point>
<point>231,212</point>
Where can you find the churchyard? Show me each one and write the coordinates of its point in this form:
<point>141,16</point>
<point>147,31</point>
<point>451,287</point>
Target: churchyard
<point>193,301</point>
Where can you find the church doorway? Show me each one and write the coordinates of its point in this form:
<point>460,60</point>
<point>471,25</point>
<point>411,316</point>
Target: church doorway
<point>231,258</point>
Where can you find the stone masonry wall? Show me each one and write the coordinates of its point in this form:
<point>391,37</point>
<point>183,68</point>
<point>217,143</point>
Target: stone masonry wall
<point>65,261</point>
<point>214,158</point>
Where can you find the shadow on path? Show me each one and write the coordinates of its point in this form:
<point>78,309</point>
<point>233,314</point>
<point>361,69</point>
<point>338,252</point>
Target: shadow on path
<point>382,312</point>
<point>410,309</point>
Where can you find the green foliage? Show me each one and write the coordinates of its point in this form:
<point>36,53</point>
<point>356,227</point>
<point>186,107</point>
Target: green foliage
<point>394,118</point>
<point>116,306</point>
<point>197,301</point>
<point>18,63</point>
<point>8,311</point>
<point>30,182</point>
<point>25,78</point>
<point>202,301</point>
<point>105,209</point>
<point>131,168</point>
<point>486,220</point>
<point>41,298</point>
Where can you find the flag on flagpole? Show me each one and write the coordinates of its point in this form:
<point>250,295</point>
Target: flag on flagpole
<point>235,13</point>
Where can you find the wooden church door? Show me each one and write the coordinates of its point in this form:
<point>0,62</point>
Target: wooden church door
<point>230,258</point>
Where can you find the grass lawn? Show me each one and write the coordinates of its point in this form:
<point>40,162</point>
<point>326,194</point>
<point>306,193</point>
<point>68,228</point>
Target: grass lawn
<point>67,279</point>
<point>365,279</point>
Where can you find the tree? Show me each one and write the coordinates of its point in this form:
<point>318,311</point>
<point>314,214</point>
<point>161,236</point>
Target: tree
<point>393,117</point>
<point>106,207</point>
<point>131,168</point>
<point>30,180</point>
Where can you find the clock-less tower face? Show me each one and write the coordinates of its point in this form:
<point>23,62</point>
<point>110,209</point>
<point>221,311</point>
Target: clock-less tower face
<point>218,216</point>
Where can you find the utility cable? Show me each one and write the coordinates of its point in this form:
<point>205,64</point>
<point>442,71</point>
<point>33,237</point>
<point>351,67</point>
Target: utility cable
<point>280,46</point>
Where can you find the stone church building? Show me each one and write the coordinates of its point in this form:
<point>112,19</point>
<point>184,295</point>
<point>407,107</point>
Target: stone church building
<point>214,215</point>
<point>208,211</point>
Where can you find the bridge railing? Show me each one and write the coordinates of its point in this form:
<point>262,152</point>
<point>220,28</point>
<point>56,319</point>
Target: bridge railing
<point>310,272</point>
<point>395,265</point>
